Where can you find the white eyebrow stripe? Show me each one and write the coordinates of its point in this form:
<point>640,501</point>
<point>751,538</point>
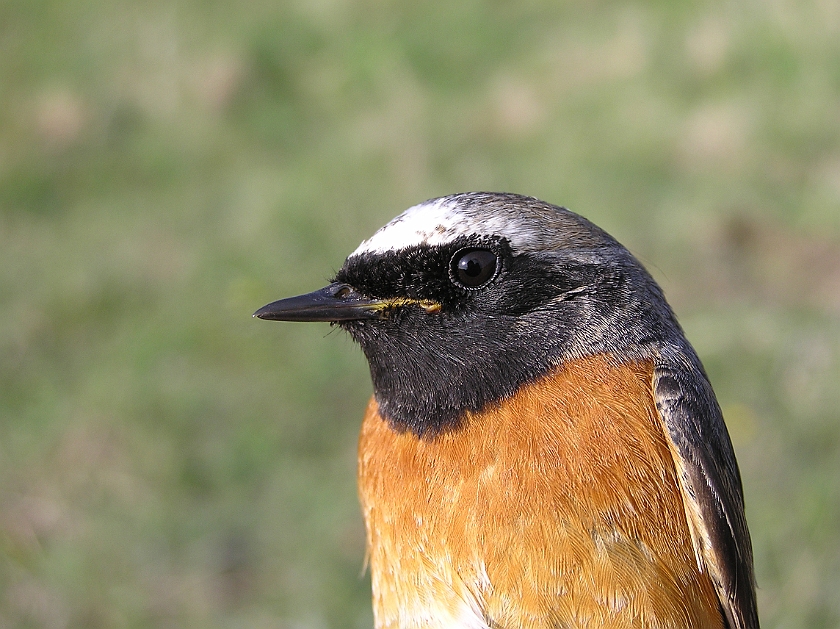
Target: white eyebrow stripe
<point>430,223</point>
<point>438,222</point>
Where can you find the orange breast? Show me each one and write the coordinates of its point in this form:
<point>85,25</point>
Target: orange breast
<point>558,507</point>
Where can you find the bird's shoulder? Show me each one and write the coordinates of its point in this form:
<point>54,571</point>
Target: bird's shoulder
<point>709,480</point>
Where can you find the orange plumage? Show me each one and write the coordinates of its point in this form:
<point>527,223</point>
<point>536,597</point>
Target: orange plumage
<point>537,509</point>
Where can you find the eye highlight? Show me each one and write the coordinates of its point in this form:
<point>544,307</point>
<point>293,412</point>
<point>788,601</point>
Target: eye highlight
<point>473,268</point>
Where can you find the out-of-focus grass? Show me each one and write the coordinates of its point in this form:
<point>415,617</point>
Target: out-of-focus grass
<point>166,168</point>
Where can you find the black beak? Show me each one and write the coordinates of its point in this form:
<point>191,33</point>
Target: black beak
<point>336,302</point>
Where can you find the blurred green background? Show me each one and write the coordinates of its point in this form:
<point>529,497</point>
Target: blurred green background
<point>168,167</point>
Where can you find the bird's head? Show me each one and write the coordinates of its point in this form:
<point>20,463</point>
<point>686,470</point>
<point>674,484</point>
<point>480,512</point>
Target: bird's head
<point>459,301</point>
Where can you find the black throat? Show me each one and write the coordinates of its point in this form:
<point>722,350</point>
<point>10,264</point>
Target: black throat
<point>429,369</point>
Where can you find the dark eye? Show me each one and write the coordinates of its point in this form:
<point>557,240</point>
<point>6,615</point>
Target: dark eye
<point>472,268</point>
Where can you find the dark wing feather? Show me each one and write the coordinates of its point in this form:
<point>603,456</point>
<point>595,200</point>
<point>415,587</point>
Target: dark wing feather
<point>710,482</point>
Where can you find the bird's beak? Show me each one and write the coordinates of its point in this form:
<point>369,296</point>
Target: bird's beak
<point>336,302</point>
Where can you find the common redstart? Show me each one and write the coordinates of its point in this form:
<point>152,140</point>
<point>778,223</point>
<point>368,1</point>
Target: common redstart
<point>543,448</point>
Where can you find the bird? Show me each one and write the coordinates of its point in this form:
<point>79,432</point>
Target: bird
<point>543,447</point>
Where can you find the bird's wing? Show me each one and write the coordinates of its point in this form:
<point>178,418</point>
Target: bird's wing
<point>710,484</point>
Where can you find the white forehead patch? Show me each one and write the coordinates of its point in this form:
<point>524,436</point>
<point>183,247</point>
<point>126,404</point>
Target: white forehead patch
<point>436,222</point>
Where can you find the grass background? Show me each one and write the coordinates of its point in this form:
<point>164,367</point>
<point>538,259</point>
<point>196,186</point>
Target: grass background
<point>168,167</point>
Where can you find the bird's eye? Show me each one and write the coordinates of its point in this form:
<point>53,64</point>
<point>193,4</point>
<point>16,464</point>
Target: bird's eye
<point>472,268</point>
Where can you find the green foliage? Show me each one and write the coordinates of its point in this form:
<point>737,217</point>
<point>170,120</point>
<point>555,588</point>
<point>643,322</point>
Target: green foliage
<point>167,168</point>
